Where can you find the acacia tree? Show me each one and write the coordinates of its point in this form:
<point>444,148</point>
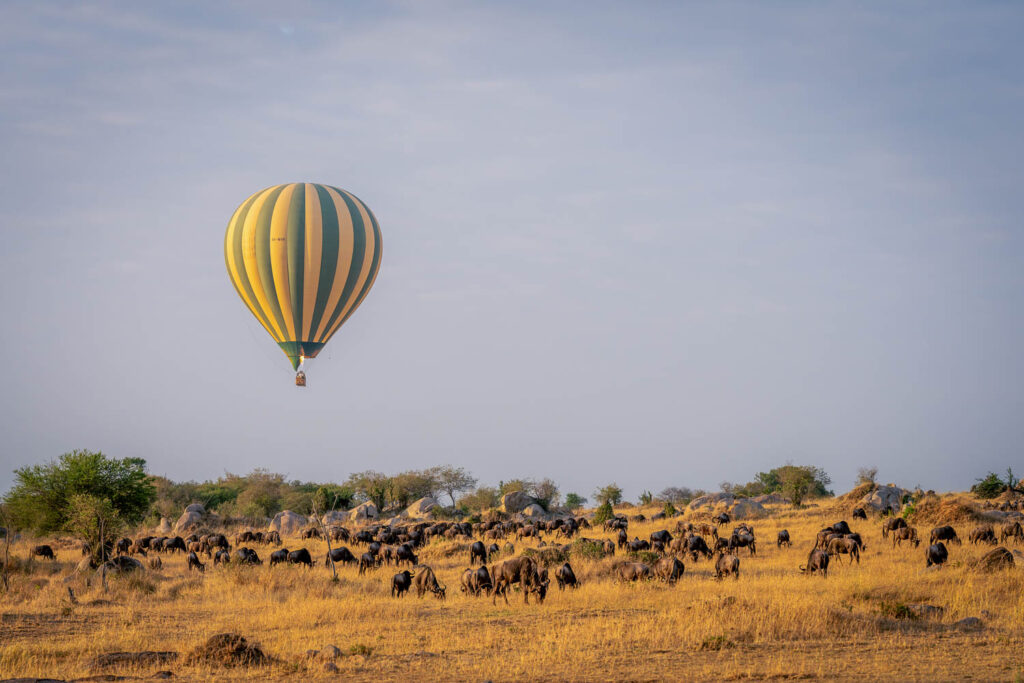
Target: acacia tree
<point>95,521</point>
<point>610,494</point>
<point>453,480</point>
<point>798,481</point>
<point>41,495</point>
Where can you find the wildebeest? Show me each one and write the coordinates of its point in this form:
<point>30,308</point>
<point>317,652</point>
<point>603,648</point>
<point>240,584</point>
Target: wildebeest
<point>783,539</point>
<point>312,532</point>
<point>221,557</point>
<point>426,581</point>
<point>817,561</point>
<point>565,576</point>
<point>622,540</point>
<point>662,536</point>
<point>1011,530</point>
<point>633,571</point>
<point>936,554</point>
<point>727,564</point>
<point>636,545</point>
<point>44,551</point>
<point>669,569</point>
<point>123,546</point>
<point>404,553</point>
<point>844,546</point>
<point>482,581</point>
<point>194,563</point>
<point>721,518</point>
<point>841,527</point>
<point>247,556</point>
<point>279,556</point>
<point>367,561</point>
<point>982,534</point>
<point>859,513</point>
<point>696,545</point>
<point>516,570</point>
<point>493,549</point>
<point>300,556</point>
<point>860,541</point>
<point>176,543</point>
<point>737,541</point>
<point>401,583</point>
<point>339,554</point>
<point>907,533</point>
<point>892,524</point>
<point>944,533</point>
<point>477,551</point>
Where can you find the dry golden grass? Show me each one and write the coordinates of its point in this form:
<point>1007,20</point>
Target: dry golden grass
<point>771,623</point>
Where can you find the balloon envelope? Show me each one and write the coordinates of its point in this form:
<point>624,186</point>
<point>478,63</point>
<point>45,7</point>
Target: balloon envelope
<point>302,257</point>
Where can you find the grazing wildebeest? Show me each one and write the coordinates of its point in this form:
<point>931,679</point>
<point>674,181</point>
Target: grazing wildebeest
<point>636,545</point>
<point>401,583</point>
<point>783,539</point>
<point>982,534</point>
<point>565,576</point>
<point>493,549</point>
<point>662,536</point>
<point>279,556</point>
<point>271,537</point>
<point>521,570</point>
<point>841,527</point>
<point>1011,530</point>
<point>426,581</point>
<point>508,549</point>
<point>633,571</point>
<point>466,581</point>
<point>222,557</point>
<point>669,569</point>
<point>44,551</point>
<point>727,564</point>
<point>404,553</point>
<point>123,546</point>
<point>312,532</point>
<point>721,518</point>
<point>477,551</point>
<point>194,563</point>
<point>936,554</point>
<point>367,561</point>
<point>845,546</point>
<point>480,581</point>
<point>339,533</point>
<point>696,545</point>
<point>622,539</point>
<point>824,536</point>
<point>944,533</point>
<point>176,543</point>
<point>247,556</point>
<point>906,533</point>
<point>860,541</point>
<point>858,513</point>
<point>817,561</point>
<point>892,524</point>
<point>339,554</point>
<point>300,556</point>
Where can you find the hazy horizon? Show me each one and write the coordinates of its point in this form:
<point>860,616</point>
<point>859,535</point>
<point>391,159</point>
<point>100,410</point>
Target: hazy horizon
<point>656,244</point>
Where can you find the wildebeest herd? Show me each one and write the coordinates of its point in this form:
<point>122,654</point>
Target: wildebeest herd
<point>659,557</point>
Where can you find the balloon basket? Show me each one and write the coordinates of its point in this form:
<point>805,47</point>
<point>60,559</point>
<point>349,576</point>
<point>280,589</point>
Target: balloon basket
<point>300,379</point>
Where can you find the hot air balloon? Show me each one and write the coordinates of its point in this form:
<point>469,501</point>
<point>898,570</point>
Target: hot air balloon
<point>302,257</point>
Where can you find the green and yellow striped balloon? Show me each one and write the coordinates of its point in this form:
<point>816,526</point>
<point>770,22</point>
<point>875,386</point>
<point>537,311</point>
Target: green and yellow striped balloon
<point>303,257</point>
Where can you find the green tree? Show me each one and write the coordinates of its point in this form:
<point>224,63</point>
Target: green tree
<point>646,498</point>
<point>611,494</point>
<point>669,509</point>
<point>482,498</point>
<point>41,495</point>
<point>545,492</point>
<point>372,486</point>
<point>453,480</point>
<point>989,487</point>
<point>574,501</point>
<point>332,497</point>
<point>514,485</point>
<point>95,521</point>
<point>801,481</point>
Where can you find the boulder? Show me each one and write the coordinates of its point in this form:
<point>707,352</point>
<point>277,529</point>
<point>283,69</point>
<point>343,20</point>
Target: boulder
<point>769,499</point>
<point>196,507</point>
<point>288,523</point>
<point>515,501</point>
<point>884,498</point>
<point>969,624</point>
<point>533,510</point>
<point>421,508</point>
<point>164,527</point>
<point>746,508</point>
<point>997,558</point>
<point>187,521</point>
<point>334,517</point>
<point>365,511</point>
<point>710,500</point>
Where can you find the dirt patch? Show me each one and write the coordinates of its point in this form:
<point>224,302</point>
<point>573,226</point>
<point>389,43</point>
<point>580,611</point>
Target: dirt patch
<point>228,649</point>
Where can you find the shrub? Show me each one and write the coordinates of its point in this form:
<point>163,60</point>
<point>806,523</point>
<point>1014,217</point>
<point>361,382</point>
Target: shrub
<point>989,487</point>
<point>604,513</point>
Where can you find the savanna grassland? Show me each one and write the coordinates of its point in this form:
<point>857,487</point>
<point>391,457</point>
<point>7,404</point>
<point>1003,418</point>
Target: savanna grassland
<point>771,623</point>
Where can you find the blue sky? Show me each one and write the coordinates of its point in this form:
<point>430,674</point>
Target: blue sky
<point>655,243</point>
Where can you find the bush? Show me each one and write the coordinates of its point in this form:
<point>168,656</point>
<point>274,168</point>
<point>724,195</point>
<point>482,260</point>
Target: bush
<point>584,548</point>
<point>989,487</point>
<point>604,513</point>
<point>670,509</point>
